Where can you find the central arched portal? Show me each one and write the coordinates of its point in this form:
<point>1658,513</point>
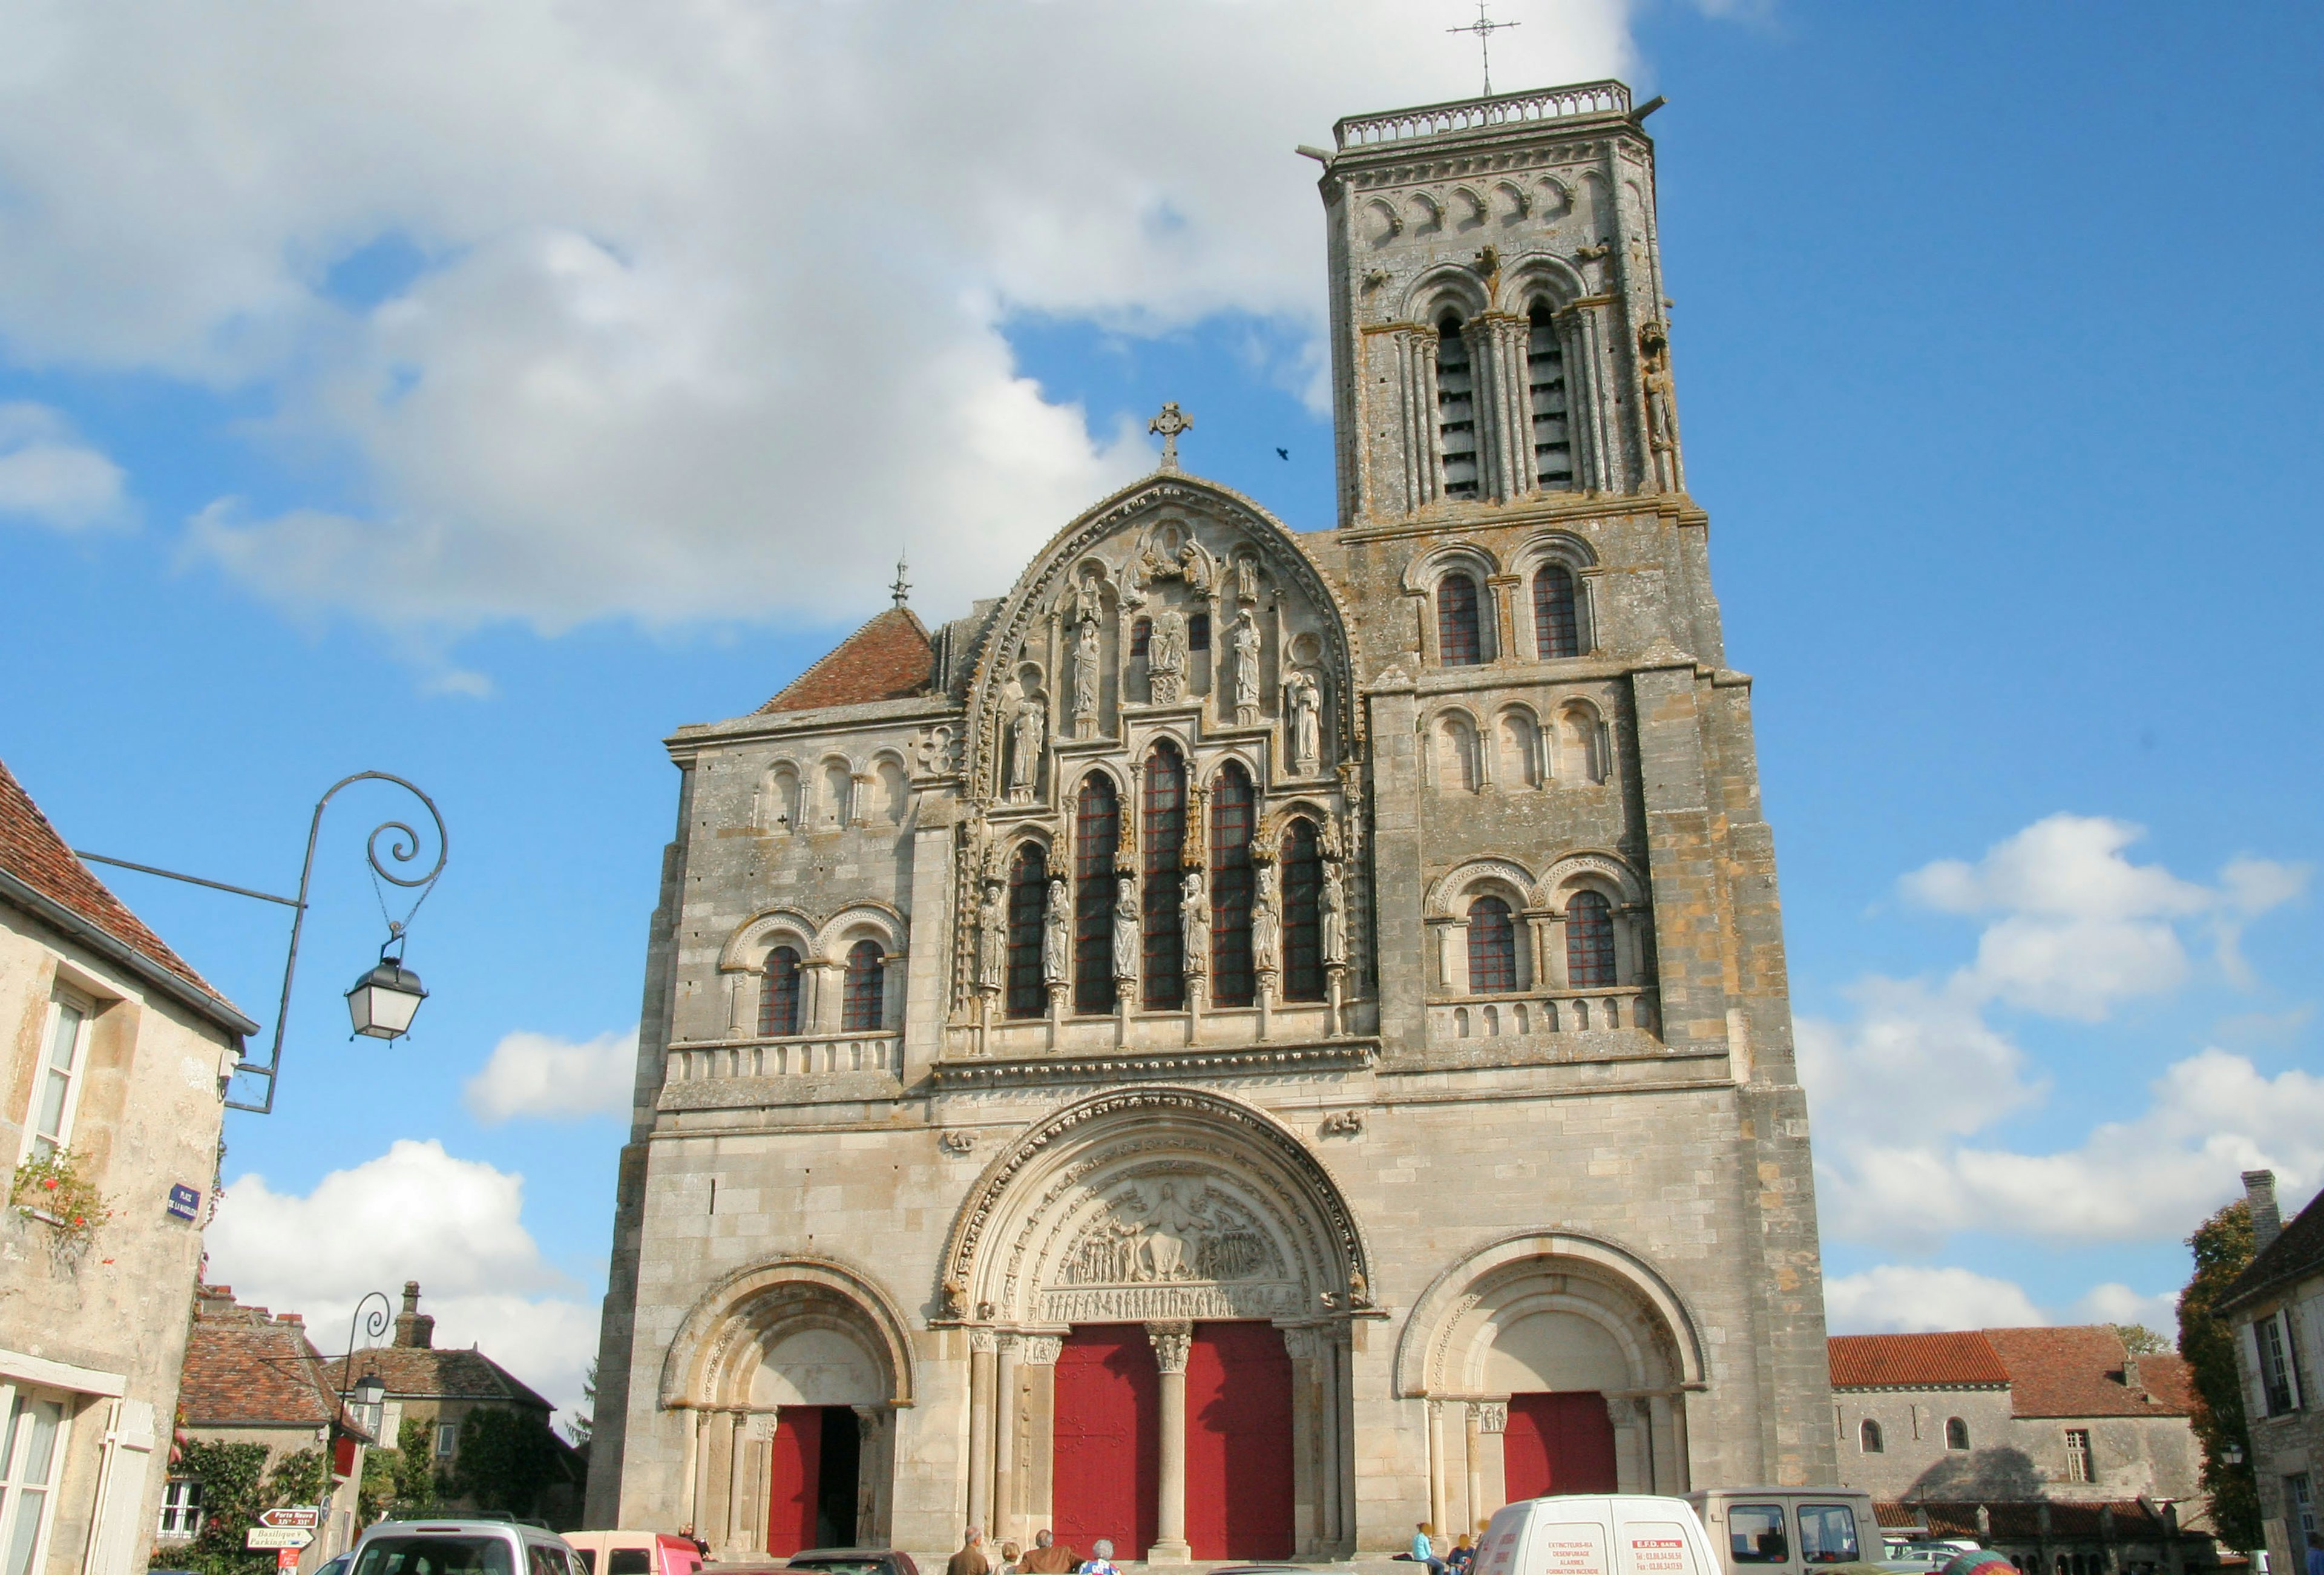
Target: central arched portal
<point>1157,1286</point>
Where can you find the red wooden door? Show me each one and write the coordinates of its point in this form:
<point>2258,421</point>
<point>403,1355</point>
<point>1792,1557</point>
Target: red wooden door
<point>1557,1443</point>
<point>794,1472</point>
<point>1238,1443</point>
<point>1107,1450</point>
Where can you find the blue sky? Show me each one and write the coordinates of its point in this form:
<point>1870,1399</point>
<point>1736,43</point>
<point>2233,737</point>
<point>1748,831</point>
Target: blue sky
<point>357,412</point>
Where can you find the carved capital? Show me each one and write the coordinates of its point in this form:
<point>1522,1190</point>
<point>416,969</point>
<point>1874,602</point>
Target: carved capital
<point>984,1341</point>
<point>1040,1350</point>
<point>1171,1341</point>
<point>759,1425</point>
<point>1491,1415</point>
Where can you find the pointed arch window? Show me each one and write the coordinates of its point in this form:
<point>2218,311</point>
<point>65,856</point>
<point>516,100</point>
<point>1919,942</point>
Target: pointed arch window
<point>1589,941</point>
<point>1303,912</point>
<point>1556,622</point>
<point>1492,948</point>
<point>1456,409</point>
<point>1553,447</point>
<point>864,1005</point>
<point>1458,641</point>
<point>1164,844</point>
<point>1233,983</point>
<point>778,996</point>
<point>1097,829</point>
<point>1029,891</point>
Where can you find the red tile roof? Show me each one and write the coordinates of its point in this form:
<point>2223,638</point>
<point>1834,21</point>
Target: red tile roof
<point>887,659</point>
<point>32,850</point>
<point>2078,1371</point>
<point>246,1368</point>
<point>2019,1522</point>
<point>425,1373</point>
<point>1913,1361</point>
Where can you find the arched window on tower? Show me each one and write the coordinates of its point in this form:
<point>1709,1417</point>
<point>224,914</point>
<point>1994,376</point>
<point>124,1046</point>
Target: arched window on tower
<point>1458,641</point>
<point>1589,941</point>
<point>1028,893</point>
<point>1097,828</point>
<point>1556,625</point>
<point>1303,912</point>
<point>1553,450</point>
<point>1164,843</point>
<point>1456,409</point>
<point>1492,948</point>
<point>1956,1434</point>
<point>864,1005</point>
<point>1868,1437</point>
<point>779,994</point>
<point>1233,983</point>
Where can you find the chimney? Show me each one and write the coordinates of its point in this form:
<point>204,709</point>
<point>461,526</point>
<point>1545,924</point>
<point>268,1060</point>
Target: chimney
<point>413,1327</point>
<point>2130,1371</point>
<point>2267,1224</point>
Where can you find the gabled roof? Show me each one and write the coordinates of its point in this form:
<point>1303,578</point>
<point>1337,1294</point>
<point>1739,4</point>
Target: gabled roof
<point>245,1367</point>
<point>891,657</point>
<point>2080,1371</point>
<point>1914,1362</point>
<point>2297,1251</point>
<point>39,870</point>
<point>425,1373</point>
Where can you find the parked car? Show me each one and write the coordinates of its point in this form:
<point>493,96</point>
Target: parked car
<point>853,1561</point>
<point>463,1544</point>
<point>1767,1531</point>
<point>635,1553</point>
<point>1596,1533</point>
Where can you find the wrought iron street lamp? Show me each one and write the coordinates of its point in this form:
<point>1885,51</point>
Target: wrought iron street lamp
<point>383,1002</point>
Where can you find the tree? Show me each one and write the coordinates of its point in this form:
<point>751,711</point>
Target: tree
<point>507,1460</point>
<point>234,1492</point>
<point>415,1473</point>
<point>2222,1245</point>
<point>585,1416</point>
<point>2138,1339</point>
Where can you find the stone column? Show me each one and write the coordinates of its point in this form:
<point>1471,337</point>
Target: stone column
<point>697,1468</point>
<point>1036,1357</point>
<point>1473,1467</point>
<point>1488,1421</point>
<point>1426,464</point>
<point>981,1349</point>
<point>1504,590</point>
<point>1171,1343</point>
<point>1004,1441</point>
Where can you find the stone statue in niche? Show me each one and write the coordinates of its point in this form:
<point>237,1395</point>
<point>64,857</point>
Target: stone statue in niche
<point>1089,602</point>
<point>1242,646</point>
<point>1335,917</point>
<point>1195,923</point>
<point>1165,657</point>
<point>1126,944</point>
<point>1085,678</point>
<point>1246,574</point>
<point>1057,935</point>
<point>1027,732</point>
<point>1267,918</point>
<point>991,939</point>
<point>1302,704</point>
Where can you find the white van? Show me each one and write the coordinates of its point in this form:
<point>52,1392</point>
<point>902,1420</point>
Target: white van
<point>1598,1533</point>
<point>1788,1531</point>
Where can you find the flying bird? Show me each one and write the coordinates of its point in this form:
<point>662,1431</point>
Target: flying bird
<point>1283,454</point>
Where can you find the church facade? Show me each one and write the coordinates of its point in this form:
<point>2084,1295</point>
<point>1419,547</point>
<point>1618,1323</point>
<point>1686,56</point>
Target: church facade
<point>1250,1041</point>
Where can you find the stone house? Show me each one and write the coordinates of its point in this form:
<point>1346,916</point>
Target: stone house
<point>440,1389</point>
<point>2055,1445</point>
<point>2276,1308</point>
<point>114,1055</point>
<point>1246,1041</point>
<point>254,1377</point>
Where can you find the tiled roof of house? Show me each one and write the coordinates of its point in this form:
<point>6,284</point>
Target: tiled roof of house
<point>888,659</point>
<point>32,850</point>
<point>1914,1362</point>
<point>245,1367</point>
<point>424,1373</point>
<point>2133,1521</point>
<point>2299,1250</point>
<point>2079,1371</point>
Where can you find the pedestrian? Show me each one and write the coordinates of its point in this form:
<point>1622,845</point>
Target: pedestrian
<point>1048,1556</point>
<point>2315,1553</point>
<point>699,1546</point>
<point>1100,1560</point>
<point>971,1559</point>
<point>1009,1553</point>
<point>1423,1549</point>
<point>1463,1554</point>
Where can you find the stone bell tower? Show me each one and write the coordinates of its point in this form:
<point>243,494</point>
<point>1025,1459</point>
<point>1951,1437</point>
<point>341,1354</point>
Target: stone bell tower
<point>1496,304</point>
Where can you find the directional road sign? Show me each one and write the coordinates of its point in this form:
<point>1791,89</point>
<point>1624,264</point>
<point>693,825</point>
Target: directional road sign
<point>289,1515</point>
<point>271,1536</point>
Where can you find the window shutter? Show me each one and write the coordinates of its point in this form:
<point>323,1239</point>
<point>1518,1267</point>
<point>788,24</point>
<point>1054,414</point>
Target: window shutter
<point>2247,1359</point>
<point>2290,1357</point>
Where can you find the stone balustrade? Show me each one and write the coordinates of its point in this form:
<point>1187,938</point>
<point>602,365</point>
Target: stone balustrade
<point>801,1056</point>
<point>1483,113</point>
<point>1564,1011</point>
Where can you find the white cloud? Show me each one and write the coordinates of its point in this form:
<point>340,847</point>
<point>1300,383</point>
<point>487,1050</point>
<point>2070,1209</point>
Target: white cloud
<point>50,477</point>
<point>412,1213</point>
<point>556,1080</point>
<point>2115,1302</point>
<point>1899,1299</point>
<point>707,313</point>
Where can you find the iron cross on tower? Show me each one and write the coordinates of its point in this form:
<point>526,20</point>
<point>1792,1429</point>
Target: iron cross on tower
<point>1170,423</point>
<point>1484,30</point>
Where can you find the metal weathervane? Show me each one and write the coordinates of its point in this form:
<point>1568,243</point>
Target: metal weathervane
<point>1484,28</point>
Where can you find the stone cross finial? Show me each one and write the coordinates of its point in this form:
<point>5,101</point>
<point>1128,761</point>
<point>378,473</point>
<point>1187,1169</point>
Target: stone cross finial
<point>1485,30</point>
<point>1169,424</point>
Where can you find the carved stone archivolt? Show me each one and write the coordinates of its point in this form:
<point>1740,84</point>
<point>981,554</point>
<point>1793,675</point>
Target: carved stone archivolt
<point>1154,1205</point>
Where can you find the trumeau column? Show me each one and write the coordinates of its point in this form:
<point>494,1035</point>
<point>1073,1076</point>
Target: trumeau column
<point>1171,1341</point>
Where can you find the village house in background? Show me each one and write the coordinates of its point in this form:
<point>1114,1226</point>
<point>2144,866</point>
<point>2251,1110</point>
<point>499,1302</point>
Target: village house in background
<point>440,1390</point>
<point>254,1377</point>
<point>114,1056</point>
<point>2058,1447</point>
<point>2276,1309</point>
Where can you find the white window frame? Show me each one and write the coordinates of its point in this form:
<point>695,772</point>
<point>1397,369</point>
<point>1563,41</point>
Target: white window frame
<point>2081,1456</point>
<point>181,1500</point>
<point>12,1452</point>
<point>60,1000</point>
<point>2281,1324</point>
<point>447,1439</point>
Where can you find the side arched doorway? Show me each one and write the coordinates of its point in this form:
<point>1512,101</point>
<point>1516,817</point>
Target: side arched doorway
<point>1157,1286</point>
<point>792,1371</point>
